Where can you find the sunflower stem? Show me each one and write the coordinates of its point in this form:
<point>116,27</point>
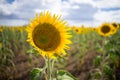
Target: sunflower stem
<point>49,69</point>
<point>44,68</point>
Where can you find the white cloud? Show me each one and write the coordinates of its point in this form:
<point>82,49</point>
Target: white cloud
<point>107,16</point>
<point>85,23</point>
<point>81,1</point>
<point>20,6</point>
<point>98,3</point>
<point>23,10</point>
<point>75,7</point>
<point>7,9</point>
<point>13,22</point>
<point>106,3</point>
<point>2,1</point>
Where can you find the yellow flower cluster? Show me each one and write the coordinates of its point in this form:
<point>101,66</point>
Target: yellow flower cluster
<point>106,29</point>
<point>83,29</point>
<point>13,28</point>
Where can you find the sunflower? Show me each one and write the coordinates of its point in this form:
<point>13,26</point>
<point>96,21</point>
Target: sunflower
<point>20,29</point>
<point>49,35</point>
<point>115,25</point>
<point>94,29</point>
<point>106,29</point>
<point>77,30</point>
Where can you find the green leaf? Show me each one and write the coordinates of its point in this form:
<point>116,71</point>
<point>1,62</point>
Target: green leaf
<point>98,75</point>
<point>32,51</point>
<point>108,71</point>
<point>64,75</point>
<point>97,61</point>
<point>36,74</point>
<point>113,57</point>
<point>108,46</point>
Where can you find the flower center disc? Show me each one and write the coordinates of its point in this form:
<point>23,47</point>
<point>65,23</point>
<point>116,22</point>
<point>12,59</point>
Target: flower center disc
<point>105,29</point>
<point>76,30</point>
<point>46,37</point>
<point>115,25</point>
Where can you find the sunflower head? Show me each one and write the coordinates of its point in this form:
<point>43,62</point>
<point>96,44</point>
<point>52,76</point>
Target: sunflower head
<point>115,25</point>
<point>94,29</point>
<point>46,37</point>
<point>48,34</point>
<point>77,30</point>
<point>106,29</point>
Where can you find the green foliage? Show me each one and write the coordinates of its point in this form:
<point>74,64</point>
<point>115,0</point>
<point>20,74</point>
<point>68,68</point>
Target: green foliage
<point>98,75</point>
<point>13,43</point>
<point>64,75</point>
<point>105,63</point>
<point>97,61</point>
<point>108,71</point>
<point>36,74</point>
<point>108,61</point>
<point>6,53</point>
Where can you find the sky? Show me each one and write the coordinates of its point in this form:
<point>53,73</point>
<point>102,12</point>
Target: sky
<point>74,12</point>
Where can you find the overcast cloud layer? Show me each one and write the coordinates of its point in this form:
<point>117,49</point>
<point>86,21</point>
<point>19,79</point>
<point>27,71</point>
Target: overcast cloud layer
<point>75,12</point>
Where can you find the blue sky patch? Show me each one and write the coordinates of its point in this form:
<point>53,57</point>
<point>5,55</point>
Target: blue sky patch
<point>10,1</point>
<point>110,9</point>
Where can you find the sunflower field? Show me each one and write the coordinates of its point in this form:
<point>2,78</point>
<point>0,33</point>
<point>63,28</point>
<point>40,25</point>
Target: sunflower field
<point>49,49</point>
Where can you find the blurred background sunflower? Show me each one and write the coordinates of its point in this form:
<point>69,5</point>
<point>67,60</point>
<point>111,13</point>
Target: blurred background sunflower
<point>115,25</point>
<point>106,29</point>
